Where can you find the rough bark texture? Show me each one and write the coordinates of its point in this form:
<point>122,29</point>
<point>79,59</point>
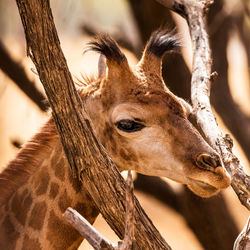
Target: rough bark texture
<point>194,12</point>
<point>17,74</point>
<point>177,77</point>
<point>87,158</point>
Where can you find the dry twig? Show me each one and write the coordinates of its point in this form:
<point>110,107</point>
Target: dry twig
<point>87,158</point>
<point>98,241</point>
<point>194,12</point>
<point>243,240</point>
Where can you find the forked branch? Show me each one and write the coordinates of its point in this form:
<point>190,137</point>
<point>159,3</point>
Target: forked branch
<point>98,241</point>
<point>87,158</point>
<point>194,12</point>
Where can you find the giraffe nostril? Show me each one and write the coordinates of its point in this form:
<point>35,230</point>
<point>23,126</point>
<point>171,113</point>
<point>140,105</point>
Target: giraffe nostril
<point>208,162</point>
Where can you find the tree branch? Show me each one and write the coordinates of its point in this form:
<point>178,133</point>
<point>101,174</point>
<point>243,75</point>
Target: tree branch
<point>87,158</point>
<point>16,72</point>
<point>243,240</point>
<point>194,12</point>
<point>96,240</point>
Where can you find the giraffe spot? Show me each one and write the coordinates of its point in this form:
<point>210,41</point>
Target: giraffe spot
<point>61,235</point>
<point>74,181</point>
<point>128,156</point>
<point>87,209</point>
<point>108,131</point>
<point>54,188</point>
<point>59,168</point>
<point>170,131</point>
<point>38,215</point>
<point>113,147</point>
<point>42,182</point>
<point>30,243</point>
<point>23,200</point>
<point>8,231</point>
<point>64,201</point>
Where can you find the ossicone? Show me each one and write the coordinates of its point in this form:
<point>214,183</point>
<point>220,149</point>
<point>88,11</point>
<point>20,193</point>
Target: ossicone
<point>116,61</point>
<point>160,42</point>
<point>106,46</point>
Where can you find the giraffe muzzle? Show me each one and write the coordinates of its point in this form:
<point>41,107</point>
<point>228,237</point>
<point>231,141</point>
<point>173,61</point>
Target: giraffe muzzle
<point>208,162</point>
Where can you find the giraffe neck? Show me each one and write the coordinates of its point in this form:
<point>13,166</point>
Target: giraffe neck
<point>38,189</point>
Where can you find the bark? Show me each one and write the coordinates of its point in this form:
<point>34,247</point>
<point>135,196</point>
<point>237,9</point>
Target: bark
<point>87,158</point>
<point>177,77</point>
<point>17,74</point>
<point>194,12</point>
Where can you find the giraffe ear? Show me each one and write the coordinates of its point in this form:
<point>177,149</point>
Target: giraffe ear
<point>160,42</point>
<point>116,61</point>
<point>188,108</point>
<point>102,66</point>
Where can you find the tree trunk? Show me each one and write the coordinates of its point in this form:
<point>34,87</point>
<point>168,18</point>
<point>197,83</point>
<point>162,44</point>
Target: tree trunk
<point>87,158</point>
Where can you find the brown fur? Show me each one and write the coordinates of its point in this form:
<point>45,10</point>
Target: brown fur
<point>38,185</point>
<point>26,163</point>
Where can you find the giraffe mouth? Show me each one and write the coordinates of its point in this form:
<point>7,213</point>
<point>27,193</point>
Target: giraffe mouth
<point>202,189</point>
<point>205,186</point>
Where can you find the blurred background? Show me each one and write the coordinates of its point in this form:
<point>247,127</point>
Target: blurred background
<point>185,220</point>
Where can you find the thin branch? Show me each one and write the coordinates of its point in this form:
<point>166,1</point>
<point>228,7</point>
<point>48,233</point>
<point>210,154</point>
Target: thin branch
<point>95,239</point>
<point>194,12</point>
<point>19,77</point>
<point>243,240</point>
<point>98,241</point>
<point>87,158</point>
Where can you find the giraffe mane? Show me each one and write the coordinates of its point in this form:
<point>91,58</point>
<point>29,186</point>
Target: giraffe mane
<point>85,80</point>
<point>27,160</point>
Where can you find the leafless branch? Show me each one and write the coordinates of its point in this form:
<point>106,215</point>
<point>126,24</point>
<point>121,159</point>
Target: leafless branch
<point>194,12</point>
<point>243,240</point>
<point>20,78</point>
<point>96,240</point>
<point>87,158</point>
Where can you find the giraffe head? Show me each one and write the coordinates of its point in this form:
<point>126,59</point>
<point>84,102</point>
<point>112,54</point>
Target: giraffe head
<point>145,127</point>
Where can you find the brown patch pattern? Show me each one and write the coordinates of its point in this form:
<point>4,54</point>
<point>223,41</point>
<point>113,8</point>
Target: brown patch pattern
<point>60,235</point>
<point>87,209</point>
<point>42,182</point>
<point>54,188</point>
<point>30,243</point>
<point>64,201</point>
<point>25,164</point>
<point>38,215</point>
<point>8,231</point>
<point>23,200</point>
<point>60,168</point>
<point>108,137</point>
<point>128,156</point>
<point>76,184</point>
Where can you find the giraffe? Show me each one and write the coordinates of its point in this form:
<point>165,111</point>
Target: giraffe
<point>142,125</point>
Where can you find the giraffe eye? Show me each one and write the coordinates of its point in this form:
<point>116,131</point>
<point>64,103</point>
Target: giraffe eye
<point>129,126</point>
